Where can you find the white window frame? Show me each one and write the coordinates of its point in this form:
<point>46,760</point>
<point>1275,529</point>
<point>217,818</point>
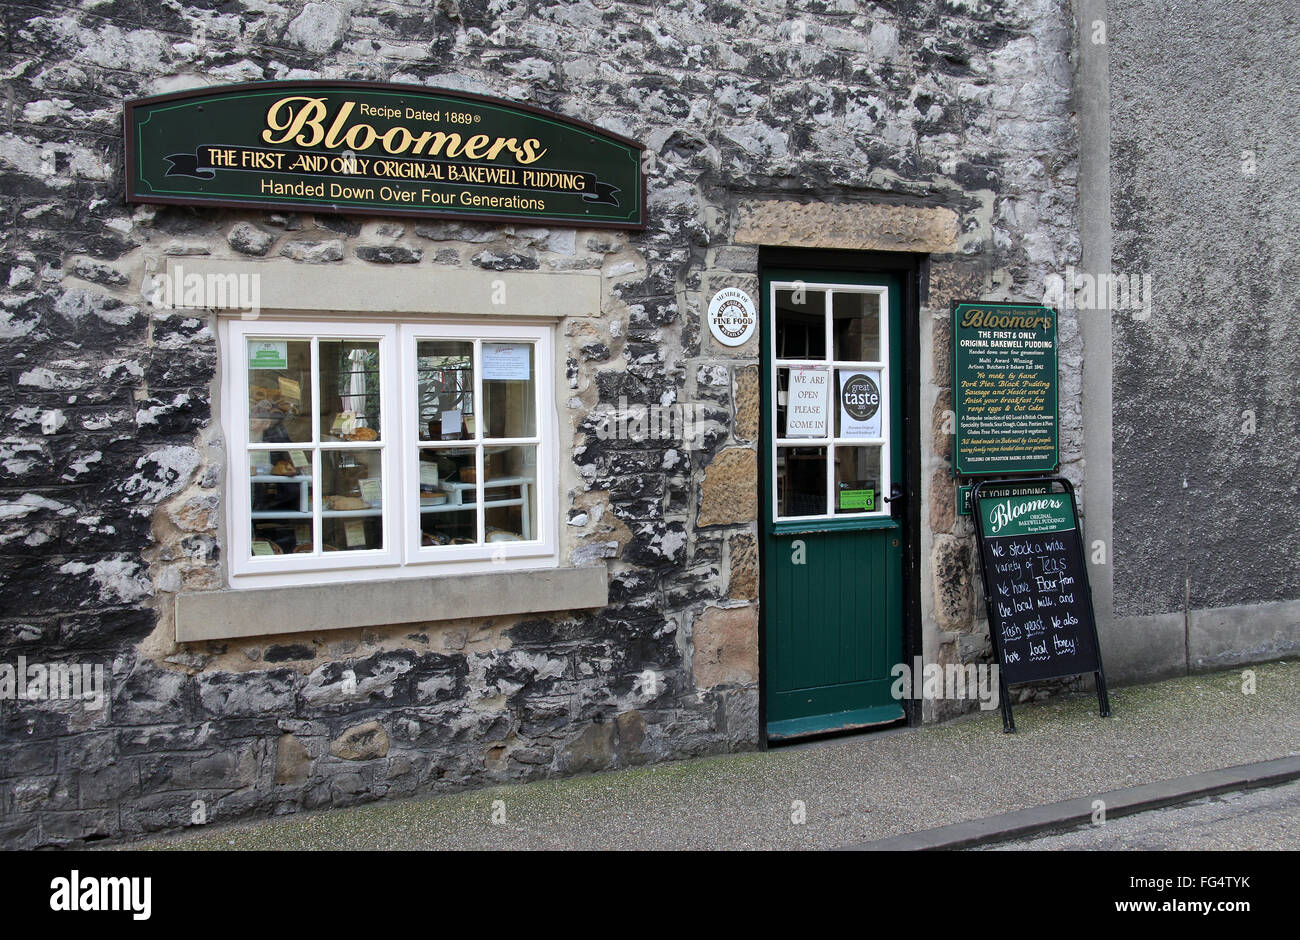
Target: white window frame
<point>402,556</point>
<point>544,487</point>
<point>830,442</point>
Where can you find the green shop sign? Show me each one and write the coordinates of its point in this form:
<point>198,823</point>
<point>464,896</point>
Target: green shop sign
<point>1005,516</point>
<point>1005,389</point>
<point>379,149</point>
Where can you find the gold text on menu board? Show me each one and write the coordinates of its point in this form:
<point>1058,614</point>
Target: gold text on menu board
<point>996,319</point>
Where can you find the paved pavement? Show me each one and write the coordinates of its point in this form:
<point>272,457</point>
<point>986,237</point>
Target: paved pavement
<point>1257,819</point>
<point>851,790</point>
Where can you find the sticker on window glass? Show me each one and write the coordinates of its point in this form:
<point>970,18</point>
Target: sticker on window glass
<point>860,403</point>
<point>507,361</point>
<point>264,354</point>
<point>808,402</point>
<point>451,421</point>
<point>858,495</point>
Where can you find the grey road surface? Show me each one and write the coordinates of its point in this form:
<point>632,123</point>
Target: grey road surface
<point>1267,818</point>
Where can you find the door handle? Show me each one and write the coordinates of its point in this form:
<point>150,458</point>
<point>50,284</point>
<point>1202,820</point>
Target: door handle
<point>895,492</point>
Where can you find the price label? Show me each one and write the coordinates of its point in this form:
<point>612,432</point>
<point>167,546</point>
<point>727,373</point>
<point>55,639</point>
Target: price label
<point>354,533</point>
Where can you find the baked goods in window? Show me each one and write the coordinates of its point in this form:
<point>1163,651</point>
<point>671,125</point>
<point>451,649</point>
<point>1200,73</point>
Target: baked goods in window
<point>345,503</point>
<point>284,468</point>
<point>362,434</point>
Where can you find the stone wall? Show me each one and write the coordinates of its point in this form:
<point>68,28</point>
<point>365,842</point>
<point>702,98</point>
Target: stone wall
<point>918,126</point>
<point>1206,200</point>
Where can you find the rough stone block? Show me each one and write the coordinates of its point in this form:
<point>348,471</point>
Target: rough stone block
<point>726,647</point>
<point>729,493</point>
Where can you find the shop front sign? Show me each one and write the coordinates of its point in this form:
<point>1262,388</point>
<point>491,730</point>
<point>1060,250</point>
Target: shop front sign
<point>380,149</point>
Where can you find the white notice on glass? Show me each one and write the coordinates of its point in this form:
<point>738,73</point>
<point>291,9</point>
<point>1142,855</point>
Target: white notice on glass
<point>507,361</point>
<point>451,421</point>
<point>860,401</point>
<point>354,533</point>
<point>808,402</point>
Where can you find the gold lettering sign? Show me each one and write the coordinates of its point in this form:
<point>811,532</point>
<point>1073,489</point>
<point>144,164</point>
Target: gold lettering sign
<point>302,119</point>
<point>372,148</point>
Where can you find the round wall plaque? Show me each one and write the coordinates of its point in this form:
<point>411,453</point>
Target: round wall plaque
<point>732,316</point>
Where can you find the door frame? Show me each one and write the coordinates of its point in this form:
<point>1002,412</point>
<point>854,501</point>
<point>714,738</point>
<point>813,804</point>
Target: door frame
<point>913,269</point>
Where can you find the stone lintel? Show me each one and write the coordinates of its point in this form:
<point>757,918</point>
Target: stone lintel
<point>357,287</point>
<point>854,226</point>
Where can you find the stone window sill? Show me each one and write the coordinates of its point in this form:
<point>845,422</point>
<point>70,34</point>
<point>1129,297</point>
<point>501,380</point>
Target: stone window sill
<point>223,615</point>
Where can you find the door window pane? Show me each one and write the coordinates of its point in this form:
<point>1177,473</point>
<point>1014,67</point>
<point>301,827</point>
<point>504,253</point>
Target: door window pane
<point>349,390</point>
<point>445,389</point>
<point>508,396</point>
<point>855,326</point>
<point>801,481</point>
<point>279,390</point>
<point>857,480</point>
<point>800,324</point>
<point>803,402</point>
<point>860,408</point>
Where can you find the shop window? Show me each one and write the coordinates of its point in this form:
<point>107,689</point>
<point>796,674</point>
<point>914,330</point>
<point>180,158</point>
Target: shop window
<point>389,450</point>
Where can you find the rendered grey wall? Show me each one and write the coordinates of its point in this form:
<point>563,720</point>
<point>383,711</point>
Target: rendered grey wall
<point>1206,514</point>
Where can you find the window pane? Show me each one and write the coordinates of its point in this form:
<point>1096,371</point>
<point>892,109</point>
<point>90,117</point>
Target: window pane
<point>445,389</point>
<point>279,390</point>
<point>800,324</point>
<point>801,481</point>
<point>508,370</point>
<point>861,403</point>
<point>856,326</point>
<point>857,479</point>
<point>280,501</point>
<point>349,390</point>
<point>509,493</point>
<point>448,491</point>
<point>803,402</point>
<point>352,484</point>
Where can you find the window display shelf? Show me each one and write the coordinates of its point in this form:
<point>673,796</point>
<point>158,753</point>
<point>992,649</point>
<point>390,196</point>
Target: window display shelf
<point>456,500</point>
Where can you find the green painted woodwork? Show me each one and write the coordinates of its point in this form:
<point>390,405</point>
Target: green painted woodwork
<point>833,624</point>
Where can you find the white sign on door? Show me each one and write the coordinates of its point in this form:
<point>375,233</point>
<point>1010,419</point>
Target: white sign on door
<point>808,402</point>
<point>860,403</point>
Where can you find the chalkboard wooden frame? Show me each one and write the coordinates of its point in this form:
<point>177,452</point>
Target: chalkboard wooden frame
<point>995,620</point>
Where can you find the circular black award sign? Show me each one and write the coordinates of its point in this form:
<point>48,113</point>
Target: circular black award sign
<point>861,397</point>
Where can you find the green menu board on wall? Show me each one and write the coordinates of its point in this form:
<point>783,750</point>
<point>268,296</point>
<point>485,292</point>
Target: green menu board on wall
<point>1005,389</point>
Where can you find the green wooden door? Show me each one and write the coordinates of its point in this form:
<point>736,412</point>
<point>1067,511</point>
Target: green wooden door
<point>832,571</point>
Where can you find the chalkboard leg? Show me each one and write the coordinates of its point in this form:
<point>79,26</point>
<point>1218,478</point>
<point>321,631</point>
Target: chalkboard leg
<point>1008,723</point>
<point>1103,700</point>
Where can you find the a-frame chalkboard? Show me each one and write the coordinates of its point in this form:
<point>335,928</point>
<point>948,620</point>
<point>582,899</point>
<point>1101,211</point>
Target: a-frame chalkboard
<point>1036,587</point>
